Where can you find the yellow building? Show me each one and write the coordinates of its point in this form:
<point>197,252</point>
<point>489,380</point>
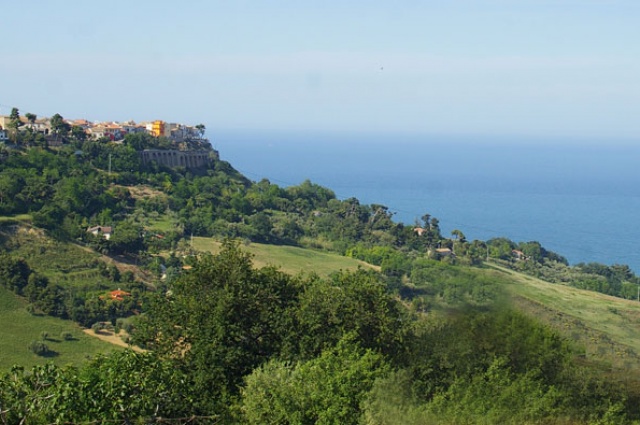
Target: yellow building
<point>157,128</point>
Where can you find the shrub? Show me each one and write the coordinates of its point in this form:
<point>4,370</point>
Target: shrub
<point>67,336</point>
<point>44,335</point>
<point>39,348</point>
<point>97,327</point>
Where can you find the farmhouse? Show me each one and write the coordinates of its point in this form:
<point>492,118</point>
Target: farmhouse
<point>104,231</point>
<point>119,295</point>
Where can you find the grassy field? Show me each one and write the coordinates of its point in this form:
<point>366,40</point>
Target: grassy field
<point>607,327</point>
<point>15,218</point>
<point>18,328</point>
<point>289,259</point>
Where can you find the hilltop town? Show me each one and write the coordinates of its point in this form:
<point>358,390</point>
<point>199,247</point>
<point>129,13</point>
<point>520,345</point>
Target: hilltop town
<point>111,130</point>
<point>178,144</point>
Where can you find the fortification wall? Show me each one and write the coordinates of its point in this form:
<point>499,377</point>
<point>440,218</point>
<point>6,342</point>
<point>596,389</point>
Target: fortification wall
<point>175,158</point>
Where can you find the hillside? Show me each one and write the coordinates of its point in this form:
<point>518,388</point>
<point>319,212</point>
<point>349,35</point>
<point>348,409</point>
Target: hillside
<point>605,326</point>
<point>290,259</point>
<point>19,328</point>
<point>457,329</point>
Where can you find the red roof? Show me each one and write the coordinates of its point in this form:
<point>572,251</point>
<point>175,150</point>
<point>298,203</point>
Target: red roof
<point>119,294</point>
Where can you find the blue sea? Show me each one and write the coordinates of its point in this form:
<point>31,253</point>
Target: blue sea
<point>579,199</point>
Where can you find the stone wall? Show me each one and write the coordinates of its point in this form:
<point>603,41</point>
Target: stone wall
<point>174,158</point>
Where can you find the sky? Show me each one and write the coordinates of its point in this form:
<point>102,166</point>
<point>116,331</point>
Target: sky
<point>535,68</point>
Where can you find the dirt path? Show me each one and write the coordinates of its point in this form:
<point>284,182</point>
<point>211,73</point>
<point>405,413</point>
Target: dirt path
<point>111,338</point>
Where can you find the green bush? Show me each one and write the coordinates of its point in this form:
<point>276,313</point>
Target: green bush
<point>39,348</point>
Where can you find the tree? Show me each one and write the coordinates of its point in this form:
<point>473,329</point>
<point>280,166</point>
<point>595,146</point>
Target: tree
<point>78,133</point>
<point>14,273</point>
<point>532,250</point>
<point>329,389</point>
<point>426,221</point>
<point>58,125</point>
<point>39,348</point>
<point>127,239</point>
<point>201,129</point>
<point>15,123</point>
<point>349,302</point>
<point>458,235</point>
<point>31,117</point>
<point>222,319</point>
<point>121,388</point>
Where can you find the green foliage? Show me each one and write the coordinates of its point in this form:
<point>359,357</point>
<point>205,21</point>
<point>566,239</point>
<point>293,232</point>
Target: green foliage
<point>329,389</point>
<point>124,387</point>
<point>222,319</point>
<point>39,348</point>
<point>451,284</point>
<point>127,238</point>
<point>348,303</point>
<point>374,255</point>
<point>498,396</point>
<point>14,273</point>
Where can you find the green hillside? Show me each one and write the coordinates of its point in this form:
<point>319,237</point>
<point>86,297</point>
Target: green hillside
<point>19,328</point>
<point>423,327</point>
<point>606,326</point>
<point>290,259</point>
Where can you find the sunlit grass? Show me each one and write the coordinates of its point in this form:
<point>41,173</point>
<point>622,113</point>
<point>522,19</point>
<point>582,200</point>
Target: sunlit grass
<point>289,259</point>
<point>606,326</point>
<point>18,328</point>
<point>15,218</point>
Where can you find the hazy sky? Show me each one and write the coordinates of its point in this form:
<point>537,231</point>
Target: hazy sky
<point>553,68</point>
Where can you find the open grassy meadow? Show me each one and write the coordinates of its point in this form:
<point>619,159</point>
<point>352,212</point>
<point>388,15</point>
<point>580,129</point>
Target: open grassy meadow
<point>290,259</point>
<point>605,326</point>
<point>18,329</point>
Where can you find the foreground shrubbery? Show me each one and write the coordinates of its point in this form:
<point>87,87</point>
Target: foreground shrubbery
<point>234,344</point>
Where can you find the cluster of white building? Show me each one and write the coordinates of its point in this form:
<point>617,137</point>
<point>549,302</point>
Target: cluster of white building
<point>111,130</point>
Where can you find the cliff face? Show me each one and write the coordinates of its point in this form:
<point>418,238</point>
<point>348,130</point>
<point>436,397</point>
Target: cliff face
<point>176,158</point>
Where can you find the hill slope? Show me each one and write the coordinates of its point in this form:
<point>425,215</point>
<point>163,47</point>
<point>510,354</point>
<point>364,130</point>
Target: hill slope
<point>19,329</point>
<point>290,259</point>
<point>605,326</point>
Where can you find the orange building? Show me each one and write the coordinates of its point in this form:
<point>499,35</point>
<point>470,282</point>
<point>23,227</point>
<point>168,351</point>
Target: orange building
<point>157,128</point>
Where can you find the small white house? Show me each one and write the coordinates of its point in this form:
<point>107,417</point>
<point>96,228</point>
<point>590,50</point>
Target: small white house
<point>104,231</point>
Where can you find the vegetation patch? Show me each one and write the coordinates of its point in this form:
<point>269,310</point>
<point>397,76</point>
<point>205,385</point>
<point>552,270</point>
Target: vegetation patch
<point>20,328</point>
<point>290,259</point>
